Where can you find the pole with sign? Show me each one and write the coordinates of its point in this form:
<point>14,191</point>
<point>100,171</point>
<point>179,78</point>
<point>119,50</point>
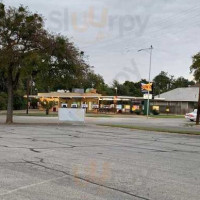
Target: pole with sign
<point>148,101</point>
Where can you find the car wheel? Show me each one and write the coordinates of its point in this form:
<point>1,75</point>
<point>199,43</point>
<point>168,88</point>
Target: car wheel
<point>191,120</point>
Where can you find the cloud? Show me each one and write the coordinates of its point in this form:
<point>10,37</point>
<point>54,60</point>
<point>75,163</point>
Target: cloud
<point>105,30</point>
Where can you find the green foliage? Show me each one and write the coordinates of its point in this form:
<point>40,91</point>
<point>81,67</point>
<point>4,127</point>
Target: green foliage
<point>182,82</point>
<point>128,88</point>
<point>3,101</point>
<point>135,88</point>
<point>34,103</point>
<point>2,81</point>
<point>2,10</point>
<point>47,105</point>
<point>162,83</point>
<point>28,51</point>
<point>138,112</point>
<point>195,67</point>
<point>121,88</point>
<point>19,102</point>
<point>93,80</point>
<point>155,112</point>
<point>63,67</point>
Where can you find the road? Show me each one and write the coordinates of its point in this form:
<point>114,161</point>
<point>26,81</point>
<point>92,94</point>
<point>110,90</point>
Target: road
<point>165,123</point>
<point>72,162</point>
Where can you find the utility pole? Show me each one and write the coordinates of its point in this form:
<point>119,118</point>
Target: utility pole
<point>198,110</point>
<point>115,100</point>
<point>27,93</point>
<point>148,102</point>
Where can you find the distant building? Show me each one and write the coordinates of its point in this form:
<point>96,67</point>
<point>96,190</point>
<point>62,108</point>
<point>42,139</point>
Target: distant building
<point>76,99</point>
<point>90,100</point>
<point>179,100</point>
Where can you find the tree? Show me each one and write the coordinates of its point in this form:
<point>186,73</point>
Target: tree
<point>135,88</point>
<point>3,99</point>
<point>195,69</point>
<point>29,52</point>
<point>162,83</point>
<point>121,88</point>
<point>47,105</point>
<point>2,81</point>
<point>182,82</point>
<point>62,67</point>
<point>20,32</point>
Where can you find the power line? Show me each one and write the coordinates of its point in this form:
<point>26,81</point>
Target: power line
<point>163,21</point>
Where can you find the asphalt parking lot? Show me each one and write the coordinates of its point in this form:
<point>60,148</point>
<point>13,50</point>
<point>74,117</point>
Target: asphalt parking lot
<point>70,162</point>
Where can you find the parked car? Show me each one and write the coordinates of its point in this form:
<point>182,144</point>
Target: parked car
<point>191,116</point>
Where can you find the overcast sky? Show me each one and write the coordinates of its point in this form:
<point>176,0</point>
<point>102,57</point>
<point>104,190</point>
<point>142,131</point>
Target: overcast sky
<point>111,31</point>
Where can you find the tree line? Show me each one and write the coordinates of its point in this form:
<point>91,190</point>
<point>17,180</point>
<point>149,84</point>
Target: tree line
<point>163,82</point>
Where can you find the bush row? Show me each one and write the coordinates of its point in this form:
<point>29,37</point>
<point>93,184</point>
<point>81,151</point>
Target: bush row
<point>18,104</point>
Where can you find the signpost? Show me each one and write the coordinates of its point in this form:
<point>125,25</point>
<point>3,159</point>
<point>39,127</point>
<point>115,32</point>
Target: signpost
<point>146,89</point>
<point>148,101</point>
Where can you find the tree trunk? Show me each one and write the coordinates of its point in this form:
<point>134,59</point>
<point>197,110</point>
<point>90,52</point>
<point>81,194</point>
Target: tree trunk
<point>198,110</point>
<point>47,111</point>
<point>9,119</point>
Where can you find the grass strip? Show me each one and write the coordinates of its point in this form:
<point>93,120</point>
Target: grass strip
<point>168,116</point>
<point>188,132</point>
<point>35,114</point>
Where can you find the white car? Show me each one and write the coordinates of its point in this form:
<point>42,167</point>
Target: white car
<point>191,116</point>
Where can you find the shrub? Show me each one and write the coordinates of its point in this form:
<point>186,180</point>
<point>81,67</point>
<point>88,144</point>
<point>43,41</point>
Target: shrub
<point>34,103</point>
<point>155,112</point>
<point>19,103</point>
<point>3,103</point>
<point>137,112</point>
<point>47,105</point>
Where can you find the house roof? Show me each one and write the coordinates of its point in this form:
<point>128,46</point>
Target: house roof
<point>190,94</point>
<point>68,95</point>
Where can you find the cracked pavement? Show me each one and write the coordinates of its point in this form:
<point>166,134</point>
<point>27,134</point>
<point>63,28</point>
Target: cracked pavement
<point>71,162</point>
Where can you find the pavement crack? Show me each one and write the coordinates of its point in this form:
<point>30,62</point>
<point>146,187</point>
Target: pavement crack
<point>33,150</point>
<point>87,180</point>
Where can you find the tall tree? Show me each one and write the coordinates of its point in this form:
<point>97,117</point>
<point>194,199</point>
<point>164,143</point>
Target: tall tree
<point>135,88</point>
<point>96,81</point>
<point>195,68</point>
<point>162,83</point>
<point>20,32</point>
<point>121,88</point>
<point>28,51</point>
<point>62,67</point>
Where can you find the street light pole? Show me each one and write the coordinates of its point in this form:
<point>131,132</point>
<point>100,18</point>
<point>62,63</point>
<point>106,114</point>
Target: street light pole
<point>115,100</point>
<point>148,102</point>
